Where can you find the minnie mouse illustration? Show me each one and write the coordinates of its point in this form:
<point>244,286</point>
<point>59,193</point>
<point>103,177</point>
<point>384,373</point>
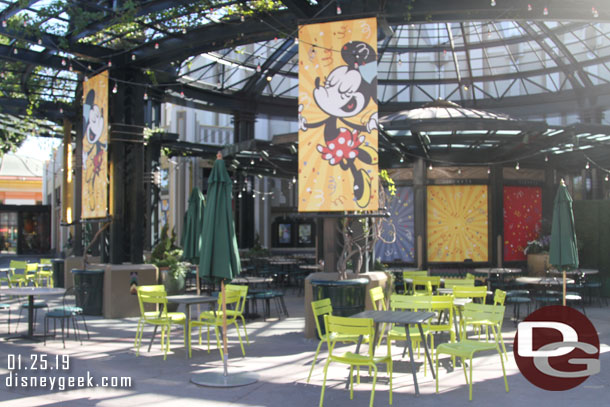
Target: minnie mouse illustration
<point>346,92</point>
<point>93,158</point>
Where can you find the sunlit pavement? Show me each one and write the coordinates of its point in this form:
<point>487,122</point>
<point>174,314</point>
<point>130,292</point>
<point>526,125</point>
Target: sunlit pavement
<point>280,355</point>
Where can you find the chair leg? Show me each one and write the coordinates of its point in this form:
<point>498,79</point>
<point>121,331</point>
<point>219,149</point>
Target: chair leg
<point>351,382</point>
<point>85,323</point>
<point>216,331</point>
<point>470,384</point>
<point>241,344</point>
<point>314,359</point>
<point>373,389</point>
<point>243,322</point>
<point>324,382</point>
<point>63,337</point>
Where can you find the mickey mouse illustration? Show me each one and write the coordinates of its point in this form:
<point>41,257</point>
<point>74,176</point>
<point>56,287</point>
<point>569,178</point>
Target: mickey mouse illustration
<point>93,159</point>
<point>346,92</point>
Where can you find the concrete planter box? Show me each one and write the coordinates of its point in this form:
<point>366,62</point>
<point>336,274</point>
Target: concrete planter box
<point>376,278</point>
<point>537,264</point>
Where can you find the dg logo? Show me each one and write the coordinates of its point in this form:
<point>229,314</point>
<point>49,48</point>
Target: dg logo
<point>557,348</point>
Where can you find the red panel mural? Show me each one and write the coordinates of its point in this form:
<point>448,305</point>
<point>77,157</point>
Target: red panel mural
<point>522,217</point>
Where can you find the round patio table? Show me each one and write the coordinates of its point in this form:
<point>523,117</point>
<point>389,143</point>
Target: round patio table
<point>501,272</point>
<point>31,292</point>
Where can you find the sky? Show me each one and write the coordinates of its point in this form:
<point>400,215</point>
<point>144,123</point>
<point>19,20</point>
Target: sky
<point>38,147</point>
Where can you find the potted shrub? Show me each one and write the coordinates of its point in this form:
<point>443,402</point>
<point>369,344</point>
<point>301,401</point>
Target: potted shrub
<point>166,256</point>
<point>537,252</point>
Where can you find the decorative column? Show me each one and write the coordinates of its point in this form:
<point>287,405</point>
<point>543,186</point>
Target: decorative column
<point>419,208</point>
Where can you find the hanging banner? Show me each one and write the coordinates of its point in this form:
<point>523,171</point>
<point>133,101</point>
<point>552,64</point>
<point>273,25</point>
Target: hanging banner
<point>397,240</point>
<point>338,116</point>
<point>95,147</point>
<point>457,223</point>
<point>522,219</point>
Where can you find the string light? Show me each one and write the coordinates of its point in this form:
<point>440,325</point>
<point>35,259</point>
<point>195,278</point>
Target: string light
<point>156,45</point>
<point>39,41</point>
<point>430,167</point>
<point>493,3</point>
<point>269,78</point>
<point>594,12</point>
<point>239,195</point>
<point>133,57</point>
<point>63,62</point>
<point>546,158</point>
<point>459,171</point>
<point>339,10</point>
<point>294,180</point>
<point>517,166</point>
<point>145,95</point>
<point>115,89</point>
<point>545,11</point>
<point>242,18</point>
<point>252,162</point>
<point>4,23</point>
<point>606,177</point>
<point>296,41</point>
<point>181,93</point>
<point>399,59</point>
<point>587,166</point>
<point>402,159</point>
<point>258,66</point>
<point>15,51</point>
<point>529,7</point>
<point>109,64</point>
<point>488,170</point>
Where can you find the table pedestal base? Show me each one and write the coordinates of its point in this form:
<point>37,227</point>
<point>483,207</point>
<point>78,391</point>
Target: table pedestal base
<point>218,379</point>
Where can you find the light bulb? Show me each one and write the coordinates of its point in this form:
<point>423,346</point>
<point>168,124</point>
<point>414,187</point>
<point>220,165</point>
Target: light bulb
<point>184,31</point>
<point>529,7</point>
<point>15,51</point>
<point>488,170</point>
<point>156,45</point>
<point>145,95</point>
<point>242,18</point>
<point>430,167</point>
<point>274,171</point>
<point>459,171</point>
<point>115,89</point>
<point>4,23</point>
<point>252,162</point>
<point>493,3</point>
<point>294,180</point>
<point>606,177</point>
<point>39,41</point>
<point>269,78</point>
<point>258,67</point>
<point>517,166</point>
<point>239,195</point>
<point>263,197</point>
<point>109,64</point>
<point>594,12</point>
<point>402,159</point>
<point>587,166</point>
<point>133,57</point>
<point>545,11</point>
<point>182,93</point>
<point>63,62</point>
<point>339,10</point>
<point>296,41</point>
<point>546,158</point>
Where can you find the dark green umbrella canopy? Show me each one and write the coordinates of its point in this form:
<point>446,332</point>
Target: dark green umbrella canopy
<point>193,227</point>
<point>563,253</point>
<point>219,257</point>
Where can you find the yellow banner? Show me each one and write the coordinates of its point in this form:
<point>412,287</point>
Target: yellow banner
<point>338,116</point>
<point>67,190</point>
<point>457,223</point>
<point>95,147</point>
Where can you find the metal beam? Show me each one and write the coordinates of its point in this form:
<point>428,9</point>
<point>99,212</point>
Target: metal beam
<point>300,8</point>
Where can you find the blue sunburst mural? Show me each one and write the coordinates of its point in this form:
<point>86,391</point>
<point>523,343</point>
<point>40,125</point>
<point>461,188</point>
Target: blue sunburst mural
<point>397,242</point>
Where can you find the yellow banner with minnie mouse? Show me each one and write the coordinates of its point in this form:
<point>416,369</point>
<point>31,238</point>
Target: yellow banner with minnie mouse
<point>95,147</point>
<point>338,116</point>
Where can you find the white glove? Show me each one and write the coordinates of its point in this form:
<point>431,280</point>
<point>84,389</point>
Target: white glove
<point>302,120</point>
<point>85,155</point>
<point>373,122</point>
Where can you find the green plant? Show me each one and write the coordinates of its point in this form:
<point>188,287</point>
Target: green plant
<point>540,245</point>
<point>167,254</point>
<point>257,249</point>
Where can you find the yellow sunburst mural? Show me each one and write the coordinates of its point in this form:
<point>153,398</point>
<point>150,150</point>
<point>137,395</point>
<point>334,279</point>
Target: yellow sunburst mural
<point>338,116</point>
<point>457,223</point>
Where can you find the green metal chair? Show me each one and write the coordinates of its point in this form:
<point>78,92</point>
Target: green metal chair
<point>344,326</point>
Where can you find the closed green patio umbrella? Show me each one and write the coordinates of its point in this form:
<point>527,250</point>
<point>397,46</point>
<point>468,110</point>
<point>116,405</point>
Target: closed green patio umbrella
<point>193,227</point>
<point>219,260</point>
<point>563,253</point>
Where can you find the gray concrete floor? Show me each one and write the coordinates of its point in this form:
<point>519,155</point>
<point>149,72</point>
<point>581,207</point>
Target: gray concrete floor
<point>280,354</point>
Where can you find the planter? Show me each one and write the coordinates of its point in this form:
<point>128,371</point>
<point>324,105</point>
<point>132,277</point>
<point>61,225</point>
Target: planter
<point>173,286</point>
<point>537,264</point>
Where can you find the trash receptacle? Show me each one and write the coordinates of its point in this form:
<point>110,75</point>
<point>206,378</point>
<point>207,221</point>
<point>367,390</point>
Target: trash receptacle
<point>58,272</point>
<point>347,296</point>
<point>89,286</point>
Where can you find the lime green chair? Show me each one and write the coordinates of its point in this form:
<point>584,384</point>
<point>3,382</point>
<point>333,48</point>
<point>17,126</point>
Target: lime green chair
<point>407,275</point>
<point>398,333</point>
<point>238,312</point>
<point>15,278</point>
<point>321,308</point>
<point>31,270</point>
<point>464,282</point>
<point>155,295</point>
<point>215,319</point>
<point>425,285</point>
<point>499,298</point>
<point>378,300</point>
<point>344,326</point>
<point>465,348</point>
<point>43,273</point>
<point>477,294</point>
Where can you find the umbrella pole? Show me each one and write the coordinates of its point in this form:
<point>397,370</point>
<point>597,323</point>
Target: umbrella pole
<point>564,287</point>
<point>197,280</point>
<point>224,327</point>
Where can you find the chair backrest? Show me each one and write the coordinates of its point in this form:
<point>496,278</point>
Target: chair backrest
<point>348,326</point>
<point>45,261</point>
<point>320,308</point>
<point>152,294</point>
<point>18,265</point>
<point>470,292</point>
<point>485,312</point>
<point>31,268</point>
<point>470,276</point>
<point>433,303</point>
<point>417,273</point>
<point>410,302</point>
<point>233,298</point>
<point>499,297</point>
<point>425,284</point>
<point>243,294</point>
<point>452,282</point>
<point>377,298</point>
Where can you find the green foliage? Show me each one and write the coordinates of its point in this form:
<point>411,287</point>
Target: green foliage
<point>10,141</point>
<point>167,254</point>
<point>257,250</point>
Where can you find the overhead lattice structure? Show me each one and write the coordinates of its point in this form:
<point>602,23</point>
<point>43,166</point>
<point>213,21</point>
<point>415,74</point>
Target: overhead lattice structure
<point>529,59</point>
